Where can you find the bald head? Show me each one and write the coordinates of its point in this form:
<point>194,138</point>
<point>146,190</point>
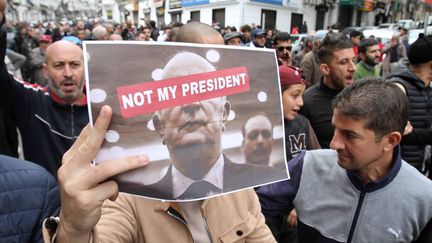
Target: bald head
<point>64,70</point>
<point>60,46</point>
<point>115,37</point>
<point>197,32</point>
<point>177,66</point>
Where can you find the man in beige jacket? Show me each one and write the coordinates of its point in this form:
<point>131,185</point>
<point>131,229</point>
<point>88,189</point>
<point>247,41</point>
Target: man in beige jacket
<point>86,214</point>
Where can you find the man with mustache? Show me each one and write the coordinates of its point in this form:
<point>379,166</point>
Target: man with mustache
<point>257,139</point>
<point>369,54</point>
<point>192,134</point>
<point>87,214</point>
<point>337,64</point>
<point>282,44</point>
<point>49,118</point>
<point>360,190</point>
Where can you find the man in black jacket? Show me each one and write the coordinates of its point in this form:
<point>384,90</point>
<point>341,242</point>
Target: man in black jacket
<point>337,64</point>
<point>192,134</point>
<point>414,80</point>
<point>49,118</point>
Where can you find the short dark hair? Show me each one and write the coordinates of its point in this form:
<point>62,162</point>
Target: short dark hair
<point>382,105</point>
<point>365,43</point>
<point>246,28</point>
<point>281,36</point>
<point>152,24</point>
<point>355,33</point>
<point>332,43</point>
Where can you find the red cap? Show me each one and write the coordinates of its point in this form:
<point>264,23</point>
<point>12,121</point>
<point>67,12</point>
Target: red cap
<point>45,38</point>
<point>290,75</point>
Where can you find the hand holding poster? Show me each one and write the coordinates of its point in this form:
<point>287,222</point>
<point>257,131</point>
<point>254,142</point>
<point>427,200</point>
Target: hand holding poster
<point>186,107</point>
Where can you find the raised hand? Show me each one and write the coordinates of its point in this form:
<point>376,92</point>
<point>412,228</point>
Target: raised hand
<point>85,187</point>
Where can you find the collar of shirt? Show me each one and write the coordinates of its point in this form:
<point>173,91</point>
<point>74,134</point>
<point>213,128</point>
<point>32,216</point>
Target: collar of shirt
<point>214,176</point>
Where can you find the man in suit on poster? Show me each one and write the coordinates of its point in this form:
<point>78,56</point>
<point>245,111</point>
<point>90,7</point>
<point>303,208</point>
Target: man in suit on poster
<point>193,136</point>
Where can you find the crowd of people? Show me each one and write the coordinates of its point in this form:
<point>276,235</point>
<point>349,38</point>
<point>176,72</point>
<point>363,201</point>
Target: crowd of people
<point>358,131</point>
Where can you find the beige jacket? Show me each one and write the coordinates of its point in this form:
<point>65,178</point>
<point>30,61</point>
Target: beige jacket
<point>235,217</point>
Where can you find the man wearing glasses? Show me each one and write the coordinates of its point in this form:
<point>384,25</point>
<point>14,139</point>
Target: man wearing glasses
<point>282,44</point>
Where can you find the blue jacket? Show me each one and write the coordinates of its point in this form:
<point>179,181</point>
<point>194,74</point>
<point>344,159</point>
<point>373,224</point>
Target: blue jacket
<point>333,205</point>
<point>28,195</point>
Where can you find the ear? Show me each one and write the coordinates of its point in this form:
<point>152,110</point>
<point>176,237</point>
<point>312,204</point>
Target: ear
<point>158,127</point>
<point>361,55</point>
<point>45,70</point>
<point>227,109</point>
<point>391,141</point>
<point>325,69</point>
<point>226,112</point>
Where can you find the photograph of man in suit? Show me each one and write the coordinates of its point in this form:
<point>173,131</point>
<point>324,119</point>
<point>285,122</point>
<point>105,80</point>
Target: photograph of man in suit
<point>258,139</point>
<point>192,134</point>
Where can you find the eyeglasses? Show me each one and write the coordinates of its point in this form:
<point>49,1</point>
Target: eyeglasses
<point>254,134</point>
<point>282,48</point>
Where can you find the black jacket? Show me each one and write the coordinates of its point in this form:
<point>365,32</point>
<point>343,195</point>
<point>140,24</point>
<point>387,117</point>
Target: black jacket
<point>420,101</point>
<point>317,108</point>
<point>48,127</point>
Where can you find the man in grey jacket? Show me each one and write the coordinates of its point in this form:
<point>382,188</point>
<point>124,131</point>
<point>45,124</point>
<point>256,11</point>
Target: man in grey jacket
<point>360,190</point>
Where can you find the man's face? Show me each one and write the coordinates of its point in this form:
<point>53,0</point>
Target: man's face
<point>356,146</point>
<point>64,71</point>
<point>355,40</point>
<point>80,25</point>
<point>283,51</point>
<point>372,55</point>
<point>260,40</point>
<point>81,34</point>
<point>342,68</point>
<point>246,35</point>
<point>258,140</point>
<point>140,37</point>
<point>191,130</point>
<point>234,41</point>
<point>43,45</point>
<point>147,34</point>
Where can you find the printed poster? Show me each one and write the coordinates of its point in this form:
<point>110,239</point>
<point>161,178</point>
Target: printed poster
<point>208,116</point>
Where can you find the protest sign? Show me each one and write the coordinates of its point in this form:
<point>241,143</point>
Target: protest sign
<point>185,106</point>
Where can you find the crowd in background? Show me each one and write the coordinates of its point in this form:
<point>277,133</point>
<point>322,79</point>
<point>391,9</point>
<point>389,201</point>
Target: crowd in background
<point>323,107</point>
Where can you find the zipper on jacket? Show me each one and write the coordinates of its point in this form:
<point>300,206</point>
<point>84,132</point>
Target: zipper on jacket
<point>173,213</point>
<point>356,215</point>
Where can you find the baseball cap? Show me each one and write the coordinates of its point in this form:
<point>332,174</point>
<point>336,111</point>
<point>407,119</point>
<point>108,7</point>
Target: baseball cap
<point>290,75</point>
<point>45,38</point>
<point>72,39</point>
<point>258,32</point>
<point>231,35</point>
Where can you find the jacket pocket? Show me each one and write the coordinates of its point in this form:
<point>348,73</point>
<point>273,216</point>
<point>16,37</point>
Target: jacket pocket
<point>239,232</point>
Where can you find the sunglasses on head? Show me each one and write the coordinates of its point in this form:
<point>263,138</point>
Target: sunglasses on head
<point>282,48</point>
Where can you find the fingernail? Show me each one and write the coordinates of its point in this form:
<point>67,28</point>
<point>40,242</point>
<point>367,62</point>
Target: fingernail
<point>143,159</point>
<point>103,111</point>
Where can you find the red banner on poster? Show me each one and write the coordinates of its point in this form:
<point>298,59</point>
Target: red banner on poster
<point>152,96</point>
